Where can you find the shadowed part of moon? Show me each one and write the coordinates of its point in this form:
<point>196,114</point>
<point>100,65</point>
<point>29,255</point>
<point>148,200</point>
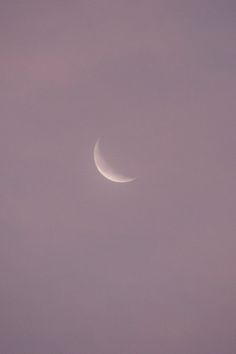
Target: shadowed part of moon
<point>105,170</point>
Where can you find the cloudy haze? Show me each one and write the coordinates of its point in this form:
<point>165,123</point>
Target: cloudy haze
<point>88,266</point>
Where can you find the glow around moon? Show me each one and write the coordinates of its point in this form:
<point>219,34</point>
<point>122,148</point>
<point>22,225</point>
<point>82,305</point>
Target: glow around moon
<point>104,168</point>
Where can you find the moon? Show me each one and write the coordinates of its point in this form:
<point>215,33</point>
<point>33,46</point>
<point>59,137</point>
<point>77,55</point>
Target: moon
<point>104,168</point>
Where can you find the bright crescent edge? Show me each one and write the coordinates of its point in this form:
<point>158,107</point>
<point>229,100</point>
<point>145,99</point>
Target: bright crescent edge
<point>104,168</point>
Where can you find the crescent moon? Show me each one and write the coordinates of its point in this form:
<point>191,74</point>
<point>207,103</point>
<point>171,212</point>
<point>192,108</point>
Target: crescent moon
<point>104,168</point>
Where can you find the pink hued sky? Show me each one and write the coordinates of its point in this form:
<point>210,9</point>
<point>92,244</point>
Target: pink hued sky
<point>88,266</point>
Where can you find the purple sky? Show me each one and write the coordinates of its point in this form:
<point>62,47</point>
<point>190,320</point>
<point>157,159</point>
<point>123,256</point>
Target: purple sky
<point>88,266</point>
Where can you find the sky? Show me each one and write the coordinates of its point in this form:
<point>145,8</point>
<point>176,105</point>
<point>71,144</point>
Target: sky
<point>88,266</point>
